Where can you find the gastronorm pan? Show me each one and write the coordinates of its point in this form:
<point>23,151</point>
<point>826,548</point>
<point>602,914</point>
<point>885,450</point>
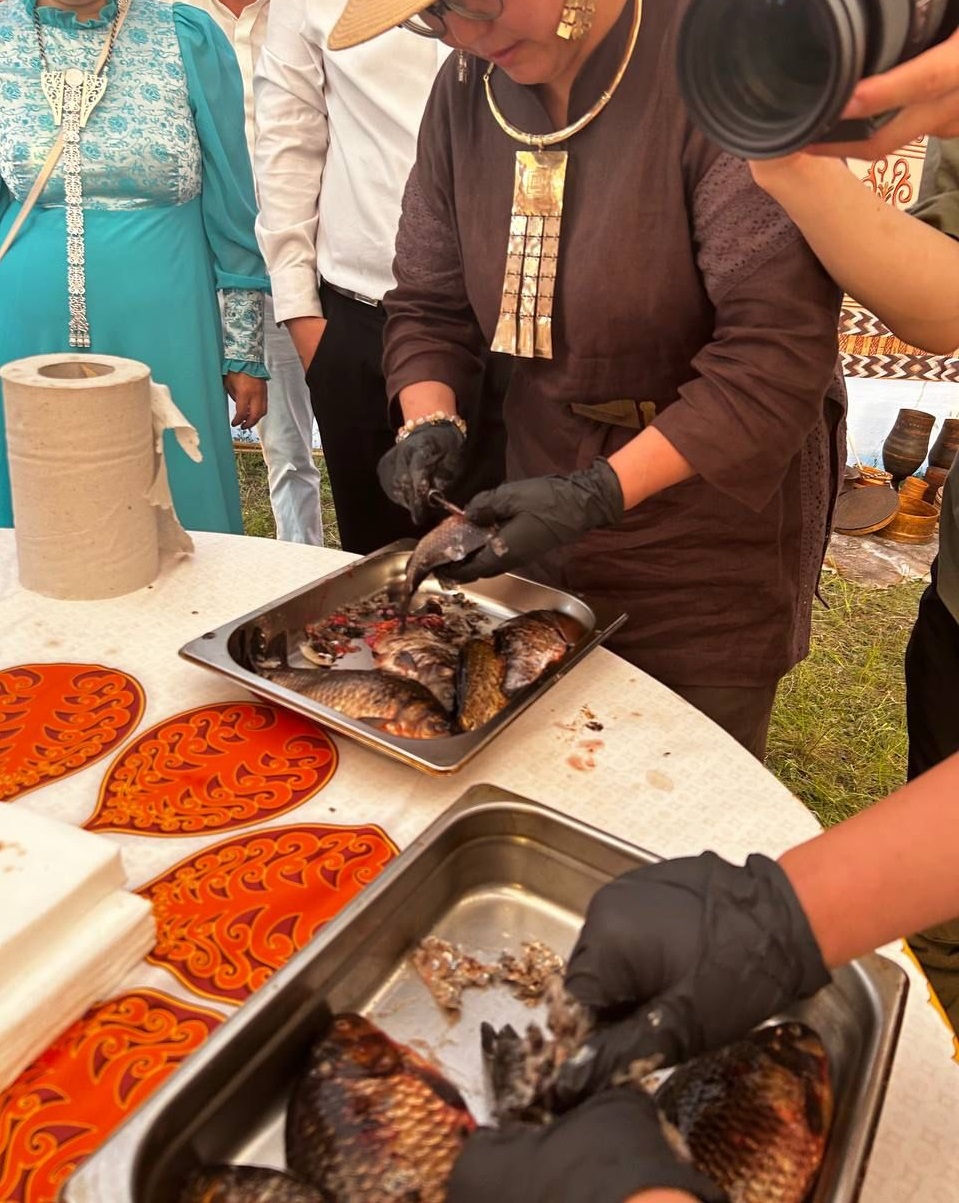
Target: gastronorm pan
<point>492,871</point>
<point>227,650</point>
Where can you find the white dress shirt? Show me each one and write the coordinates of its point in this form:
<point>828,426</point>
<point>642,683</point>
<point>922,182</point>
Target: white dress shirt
<point>335,141</point>
<point>247,33</point>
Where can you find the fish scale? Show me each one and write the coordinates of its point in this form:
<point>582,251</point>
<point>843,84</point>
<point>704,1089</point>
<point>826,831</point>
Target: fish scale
<point>373,1122</point>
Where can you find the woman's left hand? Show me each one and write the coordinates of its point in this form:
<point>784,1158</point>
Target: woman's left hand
<point>537,515</point>
<point>249,398</point>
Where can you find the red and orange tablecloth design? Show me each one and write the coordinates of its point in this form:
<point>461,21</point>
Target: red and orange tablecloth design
<point>228,915</point>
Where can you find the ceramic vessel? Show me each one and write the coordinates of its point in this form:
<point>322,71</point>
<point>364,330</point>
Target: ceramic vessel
<point>946,445</point>
<point>907,444</point>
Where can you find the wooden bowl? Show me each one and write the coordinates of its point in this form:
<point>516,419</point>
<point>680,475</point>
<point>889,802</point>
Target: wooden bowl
<point>913,487</point>
<point>915,522</point>
<point>875,476</point>
<point>935,478</point>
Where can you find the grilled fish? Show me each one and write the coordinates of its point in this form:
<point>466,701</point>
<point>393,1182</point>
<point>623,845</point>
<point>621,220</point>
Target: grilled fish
<point>451,541</point>
<point>389,703</point>
<point>756,1114</point>
<point>418,654</point>
<point>246,1184</point>
<point>480,684</point>
<point>372,1122</point>
<point>531,642</point>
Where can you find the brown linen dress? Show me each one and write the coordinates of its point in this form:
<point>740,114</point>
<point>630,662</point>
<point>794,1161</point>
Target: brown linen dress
<point>679,282</point>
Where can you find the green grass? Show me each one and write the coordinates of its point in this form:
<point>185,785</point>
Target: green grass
<point>838,737</point>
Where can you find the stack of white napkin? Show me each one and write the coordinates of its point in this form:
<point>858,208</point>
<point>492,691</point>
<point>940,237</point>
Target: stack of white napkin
<point>69,931</point>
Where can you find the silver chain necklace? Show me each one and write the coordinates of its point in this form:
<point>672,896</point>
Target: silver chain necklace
<point>72,96</point>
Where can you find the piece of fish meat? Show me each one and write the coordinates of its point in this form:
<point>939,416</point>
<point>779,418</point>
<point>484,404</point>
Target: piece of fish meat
<point>532,973</point>
<point>531,642</point>
<point>389,703</point>
<point>418,654</point>
<point>451,541</point>
<point>373,1122</point>
<point>446,971</point>
<point>246,1184</point>
<point>756,1114</point>
<point>480,695</point>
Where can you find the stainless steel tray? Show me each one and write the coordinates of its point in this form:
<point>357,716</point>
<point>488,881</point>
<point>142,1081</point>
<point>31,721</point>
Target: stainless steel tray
<point>227,649</point>
<point>494,870</point>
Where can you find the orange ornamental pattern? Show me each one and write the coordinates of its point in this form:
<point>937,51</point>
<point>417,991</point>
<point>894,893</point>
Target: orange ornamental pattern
<point>212,769</point>
<point>67,1103</point>
<point>232,914</point>
<point>57,718</point>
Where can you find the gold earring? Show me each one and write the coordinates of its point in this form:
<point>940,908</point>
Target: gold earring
<point>576,19</point>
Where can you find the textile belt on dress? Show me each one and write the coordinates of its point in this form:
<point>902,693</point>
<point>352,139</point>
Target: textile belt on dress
<point>636,415</point>
<point>354,296</point>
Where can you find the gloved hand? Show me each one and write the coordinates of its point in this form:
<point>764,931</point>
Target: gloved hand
<point>537,515</point>
<point>431,457</point>
<point>605,1151</point>
<point>686,956</point>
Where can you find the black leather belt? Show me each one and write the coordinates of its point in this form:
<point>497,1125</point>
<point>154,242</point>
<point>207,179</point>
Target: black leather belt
<point>350,295</point>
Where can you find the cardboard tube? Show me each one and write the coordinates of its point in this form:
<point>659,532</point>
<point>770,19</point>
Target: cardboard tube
<point>81,452</point>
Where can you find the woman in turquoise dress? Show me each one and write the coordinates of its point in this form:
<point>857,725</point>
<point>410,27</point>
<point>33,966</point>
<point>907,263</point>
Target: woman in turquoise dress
<point>160,210</point>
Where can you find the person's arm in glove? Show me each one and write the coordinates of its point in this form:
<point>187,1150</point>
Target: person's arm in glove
<point>610,1149</point>
<point>536,516</point>
<point>431,457</point>
<point>695,952</point>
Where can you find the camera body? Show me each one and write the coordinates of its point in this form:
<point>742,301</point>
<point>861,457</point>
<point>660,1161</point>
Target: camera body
<point>764,78</point>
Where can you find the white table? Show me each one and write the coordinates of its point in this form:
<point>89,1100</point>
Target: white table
<point>658,774</point>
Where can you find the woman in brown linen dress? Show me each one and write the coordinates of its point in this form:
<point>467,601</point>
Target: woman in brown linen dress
<point>673,412</point>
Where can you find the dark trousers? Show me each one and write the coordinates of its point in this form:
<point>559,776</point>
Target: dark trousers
<point>348,394</point>
<point>742,711</point>
<point>932,716</point>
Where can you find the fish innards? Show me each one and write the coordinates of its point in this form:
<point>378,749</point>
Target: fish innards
<point>371,1121</point>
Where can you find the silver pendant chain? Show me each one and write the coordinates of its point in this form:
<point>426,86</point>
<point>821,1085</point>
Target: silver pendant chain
<point>73,95</point>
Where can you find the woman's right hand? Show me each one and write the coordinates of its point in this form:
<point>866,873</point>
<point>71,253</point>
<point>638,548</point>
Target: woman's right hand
<point>306,333</point>
<point>694,953</point>
<point>430,457</point>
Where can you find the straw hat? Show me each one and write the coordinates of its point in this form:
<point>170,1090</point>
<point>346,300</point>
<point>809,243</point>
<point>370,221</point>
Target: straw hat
<point>362,20</point>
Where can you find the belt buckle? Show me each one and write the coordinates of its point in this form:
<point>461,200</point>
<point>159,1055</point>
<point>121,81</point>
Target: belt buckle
<point>371,301</point>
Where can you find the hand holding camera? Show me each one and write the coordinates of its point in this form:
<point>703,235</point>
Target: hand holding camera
<point>768,78</point>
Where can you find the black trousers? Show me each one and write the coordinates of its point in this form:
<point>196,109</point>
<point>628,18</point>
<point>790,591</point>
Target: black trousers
<point>932,716</point>
<point>348,394</point>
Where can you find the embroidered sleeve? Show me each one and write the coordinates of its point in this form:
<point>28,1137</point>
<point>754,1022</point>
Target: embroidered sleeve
<point>243,331</point>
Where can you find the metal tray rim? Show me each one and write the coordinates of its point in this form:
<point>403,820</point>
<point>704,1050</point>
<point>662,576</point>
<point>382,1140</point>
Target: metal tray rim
<point>885,977</point>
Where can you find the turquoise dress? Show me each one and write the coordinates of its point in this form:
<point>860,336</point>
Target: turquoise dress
<point>168,212</point>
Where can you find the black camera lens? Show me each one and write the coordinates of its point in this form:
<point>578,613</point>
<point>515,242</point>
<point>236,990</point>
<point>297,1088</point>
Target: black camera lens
<point>766,77</point>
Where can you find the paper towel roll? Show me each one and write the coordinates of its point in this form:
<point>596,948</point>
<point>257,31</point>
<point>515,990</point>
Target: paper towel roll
<point>81,447</point>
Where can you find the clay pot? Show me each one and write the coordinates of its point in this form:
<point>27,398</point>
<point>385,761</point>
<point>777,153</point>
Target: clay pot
<point>946,445</point>
<point>907,444</point>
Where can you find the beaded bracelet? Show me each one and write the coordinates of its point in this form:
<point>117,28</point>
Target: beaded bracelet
<point>435,419</point>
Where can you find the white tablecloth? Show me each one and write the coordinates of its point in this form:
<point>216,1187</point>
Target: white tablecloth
<point>658,774</point>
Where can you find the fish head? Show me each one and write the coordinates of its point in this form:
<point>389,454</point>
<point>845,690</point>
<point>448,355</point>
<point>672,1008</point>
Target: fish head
<point>356,1048</point>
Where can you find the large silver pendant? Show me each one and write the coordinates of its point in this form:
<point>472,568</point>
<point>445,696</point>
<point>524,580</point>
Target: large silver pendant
<point>73,95</point>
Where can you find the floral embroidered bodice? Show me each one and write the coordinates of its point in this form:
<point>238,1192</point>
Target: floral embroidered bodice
<point>140,147</point>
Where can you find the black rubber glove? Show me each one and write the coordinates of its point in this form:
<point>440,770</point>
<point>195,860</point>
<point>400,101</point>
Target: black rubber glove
<point>537,515</point>
<point>431,457</point>
<point>610,1148</point>
<point>694,952</point>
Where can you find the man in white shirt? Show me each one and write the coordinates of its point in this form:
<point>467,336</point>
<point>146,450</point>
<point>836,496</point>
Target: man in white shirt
<point>335,140</point>
<point>286,433</point>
